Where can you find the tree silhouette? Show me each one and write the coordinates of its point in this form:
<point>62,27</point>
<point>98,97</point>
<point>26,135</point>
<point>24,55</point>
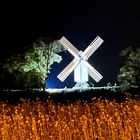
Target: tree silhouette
<point>36,61</point>
<point>129,74</point>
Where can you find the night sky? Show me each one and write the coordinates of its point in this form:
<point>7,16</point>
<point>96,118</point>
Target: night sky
<point>117,23</point>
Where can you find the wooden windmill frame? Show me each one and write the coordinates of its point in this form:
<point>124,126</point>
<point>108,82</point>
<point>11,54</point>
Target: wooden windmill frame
<point>80,64</point>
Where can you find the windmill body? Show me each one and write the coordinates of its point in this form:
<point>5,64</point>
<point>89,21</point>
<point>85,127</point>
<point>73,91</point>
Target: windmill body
<point>81,73</point>
<point>79,64</point>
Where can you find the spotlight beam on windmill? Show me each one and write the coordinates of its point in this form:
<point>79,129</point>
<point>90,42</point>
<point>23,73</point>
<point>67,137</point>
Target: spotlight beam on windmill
<point>79,64</point>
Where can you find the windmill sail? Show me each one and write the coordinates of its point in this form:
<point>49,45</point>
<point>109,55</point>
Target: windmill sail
<point>93,47</point>
<point>68,70</point>
<point>93,73</point>
<point>74,51</point>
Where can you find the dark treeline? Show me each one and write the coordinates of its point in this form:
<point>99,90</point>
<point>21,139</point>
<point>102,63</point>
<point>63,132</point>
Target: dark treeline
<point>15,97</point>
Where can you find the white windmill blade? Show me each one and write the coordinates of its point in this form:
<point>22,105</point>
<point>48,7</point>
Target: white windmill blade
<point>74,51</point>
<point>68,70</point>
<point>93,73</point>
<point>93,47</point>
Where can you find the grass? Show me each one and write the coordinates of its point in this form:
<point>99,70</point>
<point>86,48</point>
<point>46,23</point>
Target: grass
<point>99,119</point>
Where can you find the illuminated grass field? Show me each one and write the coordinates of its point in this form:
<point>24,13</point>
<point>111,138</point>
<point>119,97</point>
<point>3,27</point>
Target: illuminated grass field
<point>99,119</point>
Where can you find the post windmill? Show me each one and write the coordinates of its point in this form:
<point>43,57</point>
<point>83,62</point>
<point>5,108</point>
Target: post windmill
<point>80,64</point>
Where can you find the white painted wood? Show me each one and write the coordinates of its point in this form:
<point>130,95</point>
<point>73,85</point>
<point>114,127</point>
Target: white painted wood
<point>68,70</point>
<point>93,47</point>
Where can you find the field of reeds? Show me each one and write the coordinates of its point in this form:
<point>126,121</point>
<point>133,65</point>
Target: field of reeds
<point>99,119</point>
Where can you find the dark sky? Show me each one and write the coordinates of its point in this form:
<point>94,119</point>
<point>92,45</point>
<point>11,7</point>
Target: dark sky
<point>116,22</point>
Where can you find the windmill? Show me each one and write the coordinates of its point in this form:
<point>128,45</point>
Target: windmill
<point>80,64</point>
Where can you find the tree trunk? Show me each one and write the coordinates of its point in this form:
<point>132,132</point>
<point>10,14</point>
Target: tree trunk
<point>44,85</point>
